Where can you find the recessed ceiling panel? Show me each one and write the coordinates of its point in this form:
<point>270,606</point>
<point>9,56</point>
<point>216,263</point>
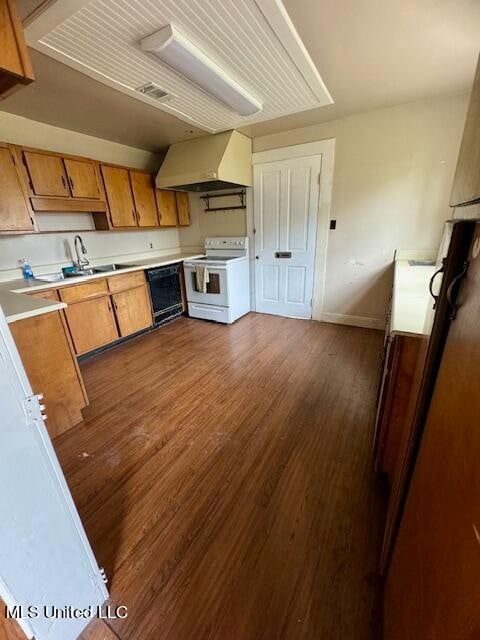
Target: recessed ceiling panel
<point>251,40</point>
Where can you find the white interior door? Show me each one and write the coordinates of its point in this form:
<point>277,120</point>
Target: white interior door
<point>285,201</point>
<point>45,557</point>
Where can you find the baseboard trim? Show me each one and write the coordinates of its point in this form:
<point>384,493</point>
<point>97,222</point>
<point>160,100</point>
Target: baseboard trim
<point>353,321</point>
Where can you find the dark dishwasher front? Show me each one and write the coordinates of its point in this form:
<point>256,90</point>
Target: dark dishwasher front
<point>165,292</point>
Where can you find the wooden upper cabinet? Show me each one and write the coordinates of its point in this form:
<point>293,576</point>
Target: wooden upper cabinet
<point>119,196</point>
<point>82,178</point>
<point>15,214</point>
<point>183,208</point>
<point>466,184</point>
<point>167,207</point>
<point>133,310</point>
<point>144,198</point>
<point>46,174</point>
<point>15,66</point>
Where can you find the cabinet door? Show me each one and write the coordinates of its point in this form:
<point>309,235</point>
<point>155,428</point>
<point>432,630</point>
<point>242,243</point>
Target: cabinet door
<point>167,207</point>
<point>14,212</point>
<point>51,369</point>
<point>133,310</point>
<point>15,65</point>
<point>183,208</point>
<point>47,174</point>
<point>119,196</point>
<point>91,323</point>
<point>144,197</point>
<point>82,178</point>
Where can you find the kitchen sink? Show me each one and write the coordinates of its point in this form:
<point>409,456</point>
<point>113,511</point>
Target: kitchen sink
<point>79,272</point>
<point>110,267</point>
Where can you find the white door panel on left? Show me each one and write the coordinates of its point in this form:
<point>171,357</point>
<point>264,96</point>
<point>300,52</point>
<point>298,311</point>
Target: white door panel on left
<point>45,557</point>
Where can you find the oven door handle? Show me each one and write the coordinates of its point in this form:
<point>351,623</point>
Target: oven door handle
<point>213,268</point>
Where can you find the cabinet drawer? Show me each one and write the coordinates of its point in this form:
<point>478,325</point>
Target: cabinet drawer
<point>47,294</point>
<point>91,289</point>
<point>126,281</point>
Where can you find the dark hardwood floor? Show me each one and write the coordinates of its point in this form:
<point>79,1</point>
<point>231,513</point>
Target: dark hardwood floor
<point>224,477</point>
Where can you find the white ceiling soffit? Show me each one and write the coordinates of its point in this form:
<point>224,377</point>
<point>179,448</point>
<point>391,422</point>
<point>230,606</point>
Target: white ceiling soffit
<point>254,41</point>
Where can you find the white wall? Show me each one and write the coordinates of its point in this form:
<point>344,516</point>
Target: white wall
<point>392,178</point>
<point>218,223</point>
<point>48,250</point>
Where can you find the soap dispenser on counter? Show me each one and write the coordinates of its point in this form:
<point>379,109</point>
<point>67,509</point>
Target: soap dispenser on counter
<point>26,269</point>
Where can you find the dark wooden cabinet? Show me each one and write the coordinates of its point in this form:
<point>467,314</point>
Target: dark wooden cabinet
<point>395,393</point>
<point>466,185</point>
<point>432,587</point>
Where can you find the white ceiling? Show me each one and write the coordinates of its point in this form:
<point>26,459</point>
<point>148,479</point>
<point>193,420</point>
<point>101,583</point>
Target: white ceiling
<point>377,53</point>
<point>370,53</point>
<point>251,40</point>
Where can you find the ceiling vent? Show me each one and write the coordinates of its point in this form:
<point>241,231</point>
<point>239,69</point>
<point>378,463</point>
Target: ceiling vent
<point>153,91</point>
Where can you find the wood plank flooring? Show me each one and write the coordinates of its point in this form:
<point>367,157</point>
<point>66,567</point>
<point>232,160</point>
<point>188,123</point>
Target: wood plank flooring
<point>224,477</point>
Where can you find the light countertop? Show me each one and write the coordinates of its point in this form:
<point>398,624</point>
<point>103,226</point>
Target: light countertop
<point>18,306</point>
<point>410,297</point>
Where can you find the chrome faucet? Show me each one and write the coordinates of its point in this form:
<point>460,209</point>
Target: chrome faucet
<point>82,262</point>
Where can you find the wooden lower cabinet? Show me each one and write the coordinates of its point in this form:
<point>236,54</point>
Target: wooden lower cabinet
<point>395,395</point>
<point>133,310</point>
<point>91,323</point>
<point>44,347</point>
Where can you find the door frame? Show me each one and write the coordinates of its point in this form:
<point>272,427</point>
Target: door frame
<point>326,149</point>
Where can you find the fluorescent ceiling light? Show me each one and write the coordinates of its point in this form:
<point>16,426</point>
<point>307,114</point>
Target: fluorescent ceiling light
<point>173,48</point>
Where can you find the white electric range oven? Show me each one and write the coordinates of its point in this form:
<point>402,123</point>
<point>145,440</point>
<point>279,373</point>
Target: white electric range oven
<point>227,295</point>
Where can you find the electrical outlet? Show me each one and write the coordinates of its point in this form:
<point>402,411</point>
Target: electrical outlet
<point>150,244</point>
